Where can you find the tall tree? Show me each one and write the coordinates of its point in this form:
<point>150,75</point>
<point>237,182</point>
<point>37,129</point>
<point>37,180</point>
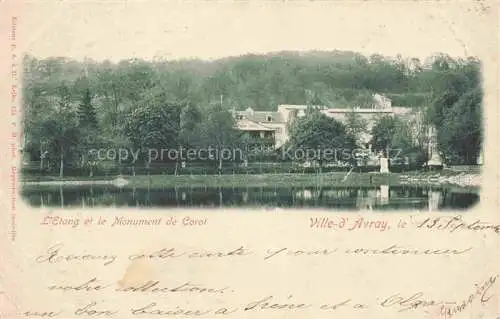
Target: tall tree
<point>460,138</point>
<point>382,134</point>
<point>190,120</point>
<point>356,126</point>
<point>61,130</point>
<point>395,139</point>
<point>155,126</point>
<point>89,133</point>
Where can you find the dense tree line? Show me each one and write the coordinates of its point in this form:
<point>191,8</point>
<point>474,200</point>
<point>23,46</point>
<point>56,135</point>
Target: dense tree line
<point>71,106</point>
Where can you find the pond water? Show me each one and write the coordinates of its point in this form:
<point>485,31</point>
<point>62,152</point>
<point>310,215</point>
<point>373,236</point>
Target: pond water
<point>355,198</point>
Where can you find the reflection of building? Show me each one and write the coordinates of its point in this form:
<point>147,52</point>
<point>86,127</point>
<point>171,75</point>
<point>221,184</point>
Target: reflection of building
<point>384,194</point>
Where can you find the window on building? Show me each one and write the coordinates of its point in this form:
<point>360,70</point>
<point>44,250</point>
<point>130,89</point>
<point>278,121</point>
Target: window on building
<point>269,118</point>
<point>239,117</point>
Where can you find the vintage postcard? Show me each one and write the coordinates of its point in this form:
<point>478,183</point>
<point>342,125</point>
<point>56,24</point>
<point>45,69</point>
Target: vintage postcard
<point>250,159</point>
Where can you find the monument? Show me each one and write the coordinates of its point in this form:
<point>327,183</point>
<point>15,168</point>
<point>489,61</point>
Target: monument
<point>434,157</point>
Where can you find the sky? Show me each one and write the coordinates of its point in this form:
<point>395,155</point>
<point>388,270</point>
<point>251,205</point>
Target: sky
<point>118,30</point>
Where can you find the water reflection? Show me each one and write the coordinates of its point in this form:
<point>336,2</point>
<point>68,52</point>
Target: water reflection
<point>365,198</point>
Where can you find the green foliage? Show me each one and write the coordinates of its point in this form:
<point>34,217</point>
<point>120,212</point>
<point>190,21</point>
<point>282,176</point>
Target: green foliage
<point>218,129</point>
<point>403,137</point>
<point>336,79</point>
<point>154,125</point>
<point>86,112</point>
<point>383,133</point>
<point>190,120</point>
<point>317,131</point>
<point>456,110</point>
<point>392,133</point>
<point>409,99</point>
<point>60,136</point>
<point>164,104</point>
<point>397,139</point>
<point>356,126</point>
<point>461,137</point>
